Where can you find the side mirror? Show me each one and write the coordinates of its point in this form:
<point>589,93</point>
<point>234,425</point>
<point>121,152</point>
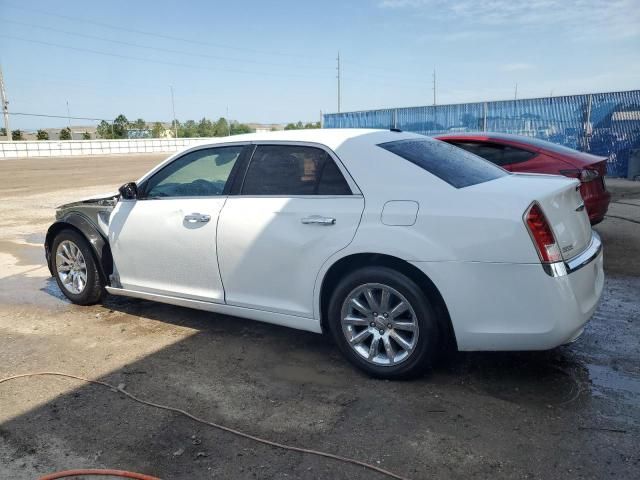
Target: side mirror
<point>129,191</point>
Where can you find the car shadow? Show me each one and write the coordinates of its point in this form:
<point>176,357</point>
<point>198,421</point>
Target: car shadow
<point>293,387</point>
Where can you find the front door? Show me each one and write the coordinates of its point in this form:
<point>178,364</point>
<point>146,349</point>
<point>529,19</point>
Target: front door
<point>295,209</point>
<point>164,242</point>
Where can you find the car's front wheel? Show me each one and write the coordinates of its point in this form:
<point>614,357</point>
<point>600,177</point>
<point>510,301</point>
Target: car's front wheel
<point>75,268</point>
<point>383,323</point>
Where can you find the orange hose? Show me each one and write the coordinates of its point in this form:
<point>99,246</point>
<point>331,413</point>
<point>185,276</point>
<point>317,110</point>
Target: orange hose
<point>89,471</point>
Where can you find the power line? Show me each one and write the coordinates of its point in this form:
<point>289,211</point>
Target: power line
<point>163,50</point>
<point>60,116</point>
<point>161,62</point>
<point>383,70</point>
<point>152,34</point>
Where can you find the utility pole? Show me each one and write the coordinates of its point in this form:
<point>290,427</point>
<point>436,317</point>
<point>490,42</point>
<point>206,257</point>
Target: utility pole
<point>173,109</point>
<point>515,97</point>
<point>434,87</point>
<point>339,74</point>
<point>228,123</point>
<point>5,107</point>
<point>69,120</point>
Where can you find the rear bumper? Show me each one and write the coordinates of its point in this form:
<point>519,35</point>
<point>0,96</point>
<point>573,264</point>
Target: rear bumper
<point>498,306</point>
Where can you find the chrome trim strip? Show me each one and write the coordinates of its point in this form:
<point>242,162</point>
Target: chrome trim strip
<point>556,269</point>
<point>560,269</point>
<point>586,257</point>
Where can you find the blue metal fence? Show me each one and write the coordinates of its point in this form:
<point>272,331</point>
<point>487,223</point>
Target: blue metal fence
<point>606,124</point>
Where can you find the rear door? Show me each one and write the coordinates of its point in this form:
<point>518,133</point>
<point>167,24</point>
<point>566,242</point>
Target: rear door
<point>164,242</point>
<point>295,207</point>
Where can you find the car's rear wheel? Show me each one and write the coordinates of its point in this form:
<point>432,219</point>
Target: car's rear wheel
<point>75,268</point>
<point>383,323</point>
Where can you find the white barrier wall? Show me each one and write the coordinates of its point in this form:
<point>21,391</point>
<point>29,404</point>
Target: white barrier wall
<point>45,148</point>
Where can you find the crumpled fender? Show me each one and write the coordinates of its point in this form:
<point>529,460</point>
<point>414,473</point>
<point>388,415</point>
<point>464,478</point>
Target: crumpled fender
<point>99,244</point>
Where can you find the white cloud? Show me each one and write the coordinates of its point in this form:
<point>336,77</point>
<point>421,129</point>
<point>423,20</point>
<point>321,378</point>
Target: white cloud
<point>516,67</point>
<point>621,17</point>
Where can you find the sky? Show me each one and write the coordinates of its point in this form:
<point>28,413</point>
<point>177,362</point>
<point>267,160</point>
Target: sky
<point>275,61</point>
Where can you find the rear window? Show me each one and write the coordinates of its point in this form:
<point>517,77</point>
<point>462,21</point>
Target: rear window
<point>455,166</point>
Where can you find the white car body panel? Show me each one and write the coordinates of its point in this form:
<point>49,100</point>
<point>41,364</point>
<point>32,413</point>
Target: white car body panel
<point>471,242</point>
<point>156,250</point>
<point>269,258</point>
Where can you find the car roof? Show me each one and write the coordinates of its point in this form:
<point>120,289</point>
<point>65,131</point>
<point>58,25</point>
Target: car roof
<point>331,137</point>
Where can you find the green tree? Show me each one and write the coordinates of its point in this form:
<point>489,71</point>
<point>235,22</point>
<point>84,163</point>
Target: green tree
<point>3,132</point>
<point>17,135</point>
<point>294,126</point>
<point>221,128</point>
<point>157,130</point>
<point>86,136</point>
<point>300,125</point>
<point>139,124</point>
<point>120,126</point>
<point>237,128</point>
<point>104,130</point>
<point>189,129</point>
<point>65,134</point>
<point>206,128</point>
<point>42,135</point>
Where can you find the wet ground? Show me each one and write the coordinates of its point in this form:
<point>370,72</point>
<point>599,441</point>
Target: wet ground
<point>573,412</point>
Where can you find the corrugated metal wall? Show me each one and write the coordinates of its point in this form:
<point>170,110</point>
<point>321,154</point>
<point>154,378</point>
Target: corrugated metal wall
<point>605,124</point>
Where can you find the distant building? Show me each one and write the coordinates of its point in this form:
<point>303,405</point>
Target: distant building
<point>139,133</point>
<point>265,127</point>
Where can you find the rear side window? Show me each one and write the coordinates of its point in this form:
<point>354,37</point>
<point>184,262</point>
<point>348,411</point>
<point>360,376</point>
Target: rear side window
<point>455,166</point>
<point>497,153</point>
<point>293,170</point>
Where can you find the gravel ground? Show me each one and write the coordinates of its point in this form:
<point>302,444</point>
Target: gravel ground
<point>573,412</point>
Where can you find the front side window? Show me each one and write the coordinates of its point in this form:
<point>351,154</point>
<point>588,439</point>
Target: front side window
<point>201,173</point>
<point>293,170</point>
<point>454,165</point>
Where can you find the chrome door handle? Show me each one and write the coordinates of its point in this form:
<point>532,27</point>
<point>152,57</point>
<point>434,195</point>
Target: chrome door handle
<point>197,218</point>
<point>318,220</point>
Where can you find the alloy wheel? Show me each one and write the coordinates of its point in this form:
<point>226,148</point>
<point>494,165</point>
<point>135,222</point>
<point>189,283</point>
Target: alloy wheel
<point>71,267</point>
<point>379,324</point>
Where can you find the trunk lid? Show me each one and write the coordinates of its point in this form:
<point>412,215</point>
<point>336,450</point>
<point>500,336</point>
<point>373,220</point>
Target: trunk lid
<point>563,206</point>
<point>559,198</point>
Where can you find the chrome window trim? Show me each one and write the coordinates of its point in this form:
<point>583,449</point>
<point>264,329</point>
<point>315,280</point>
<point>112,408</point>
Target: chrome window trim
<point>559,269</point>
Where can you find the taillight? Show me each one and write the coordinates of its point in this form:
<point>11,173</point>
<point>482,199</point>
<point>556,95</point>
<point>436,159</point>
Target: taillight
<point>542,235</point>
<point>584,175</point>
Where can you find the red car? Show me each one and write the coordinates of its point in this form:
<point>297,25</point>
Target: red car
<point>526,154</point>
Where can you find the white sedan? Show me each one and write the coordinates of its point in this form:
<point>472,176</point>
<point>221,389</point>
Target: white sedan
<point>395,243</point>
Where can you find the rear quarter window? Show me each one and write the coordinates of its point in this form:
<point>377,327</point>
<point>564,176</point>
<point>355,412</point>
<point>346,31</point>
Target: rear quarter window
<point>455,166</point>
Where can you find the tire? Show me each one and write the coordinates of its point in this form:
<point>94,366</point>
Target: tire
<point>87,292</point>
<point>396,326</point>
